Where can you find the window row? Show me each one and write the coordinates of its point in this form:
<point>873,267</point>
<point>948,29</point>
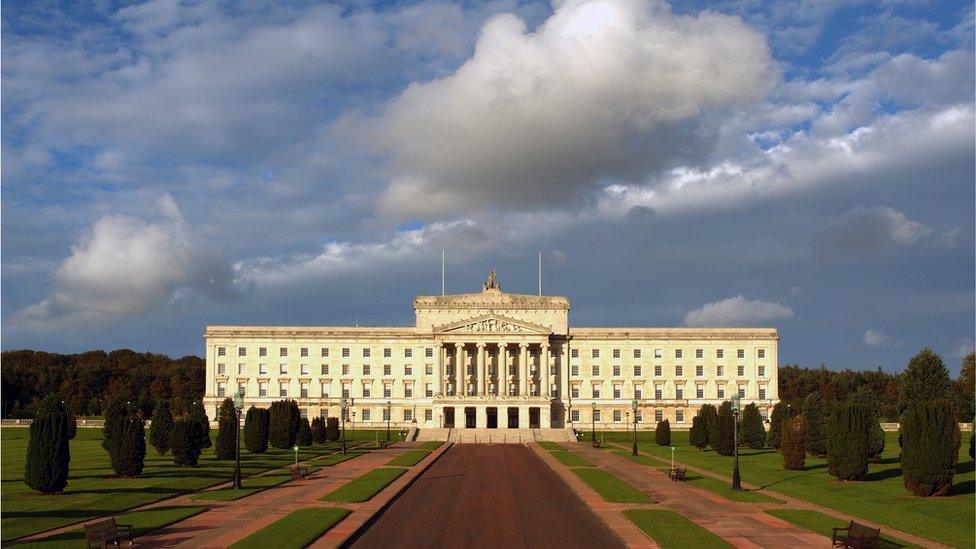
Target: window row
<point>678,353</point>
<point>325,388</point>
<point>324,369</point>
<point>324,352</point>
<point>596,392</point>
<point>679,370</point>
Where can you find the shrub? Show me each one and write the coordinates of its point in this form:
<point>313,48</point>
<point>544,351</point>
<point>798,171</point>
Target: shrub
<point>283,423</point>
<point>304,435</point>
<point>847,433</point>
<point>162,425</point>
<point>132,448</point>
<point>227,426</point>
<point>752,433</point>
<point>698,436</point>
<point>185,442</point>
<point>722,440</point>
<point>48,453</point>
<point>662,434</point>
<point>780,412</point>
<point>816,423</point>
<point>930,449</point>
<point>256,430</point>
<point>332,429</point>
<point>116,413</point>
<point>793,443</point>
<point>924,380</point>
<point>198,415</point>
<point>875,436</point>
<point>709,415</point>
<point>318,431</point>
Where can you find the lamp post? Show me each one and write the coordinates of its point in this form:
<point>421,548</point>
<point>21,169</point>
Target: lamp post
<point>342,424</point>
<point>238,407</point>
<point>634,450</point>
<point>388,416</point>
<point>593,421</point>
<point>736,480</point>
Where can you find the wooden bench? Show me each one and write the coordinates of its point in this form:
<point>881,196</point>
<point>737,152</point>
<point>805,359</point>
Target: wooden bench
<point>105,533</point>
<point>856,536</point>
<point>597,444</point>
<point>677,474</point>
<point>299,472</point>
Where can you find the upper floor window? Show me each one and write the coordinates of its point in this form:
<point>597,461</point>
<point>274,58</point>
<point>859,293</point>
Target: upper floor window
<point>221,351</point>
<point>741,353</point>
<point>637,353</point>
<point>699,353</point>
<point>387,353</point>
<point>220,369</point>
<point>241,351</point>
<point>616,370</point>
<point>366,369</point>
<point>699,371</point>
<point>574,370</point>
<point>574,353</point>
<point>408,353</point>
<point>720,370</point>
<point>616,353</point>
<point>429,352</point>
<point>762,371</point>
<point>761,353</point>
<point>345,351</point>
<point>678,353</point>
<point>387,370</point>
<point>741,370</point>
<point>304,369</point>
<point>262,351</point>
<point>325,370</point>
<point>282,369</point>
<point>616,391</point>
<point>325,351</point>
<point>596,370</point>
<point>657,370</point>
<point>283,351</point>
<point>637,370</point>
<point>616,415</point>
<point>762,393</point>
<point>679,371</point>
<point>366,351</point>
<point>304,351</point>
<point>719,353</point>
<point>596,353</point>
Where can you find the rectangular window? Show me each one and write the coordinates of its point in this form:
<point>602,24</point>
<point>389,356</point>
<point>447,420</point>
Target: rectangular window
<point>658,353</point>
<point>720,371</point>
<point>345,390</point>
<point>616,415</point>
<point>574,370</point>
<point>408,391</point>
<point>429,353</point>
<point>742,392</point>
<point>242,388</point>
<point>304,369</point>
<point>762,393</point>
<point>616,353</point>
<point>596,415</point>
<point>741,370</point>
<point>366,369</point>
<point>699,393</point>
<point>221,369</point>
<point>658,393</point>
<point>429,369</point>
<point>241,369</point>
<point>429,390</point>
<point>574,391</point>
<point>263,369</point>
<point>616,391</point>
<point>761,353</point>
<point>637,353</point>
<point>596,391</point>
<point>325,370</point>
<point>679,393</point>
<point>699,353</point>
<point>700,371</point>
<point>324,388</point>
<point>387,391</point>
<point>345,352</point>
<point>367,391</point>
<point>428,415</point>
<point>263,389</point>
<point>345,369</point>
<point>741,353</point>
<point>221,351</point>
<point>367,416</point>
<point>304,392</point>
<point>408,370</point>
<point>387,370</point>
<point>283,389</point>
<point>721,392</point>
<point>366,352</point>
<point>637,370</point>
<point>762,371</point>
<point>574,353</point>
<point>596,370</point>
<point>386,414</point>
<point>325,351</point>
<point>720,353</point>
<point>387,353</point>
<point>638,392</point>
<point>408,415</point>
<point>282,369</point>
<point>408,353</point>
<point>304,351</point>
<point>221,389</point>
<point>679,416</point>
<point>262,351</point>
<point>659,415</point>
<point>595,353</point>
<point>574,416</point>
<point>283,351</point>
<point>657,370</point>
<point>679,371</point>
<point>241,351</point>
<point>616,370</point>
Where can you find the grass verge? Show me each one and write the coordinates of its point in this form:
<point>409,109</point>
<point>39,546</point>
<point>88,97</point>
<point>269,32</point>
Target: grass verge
<point>296,529</point>
<point>671,530</point>
<point>142,523</point>
<point>822,524</point>
<point>409,458</point>
<point>610,487</point>
<point>430,445</point>
<point>366,486</point>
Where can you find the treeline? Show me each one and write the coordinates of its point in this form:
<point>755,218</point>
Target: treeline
<point>796,383</point>
<point>87,382</point>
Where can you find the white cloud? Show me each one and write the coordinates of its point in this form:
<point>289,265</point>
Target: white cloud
<point>603,88</point>
<point>736,311</point>
<point>964,347</point>
<point>128,266</point>
<point>876,338</point>
<point>865,230</point>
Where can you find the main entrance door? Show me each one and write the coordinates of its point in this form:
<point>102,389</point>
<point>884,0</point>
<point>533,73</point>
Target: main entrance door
<point>533,418</point>
<point>492,418</point>
<point>513,418</point>
<point>448,417</point>
<point>469,418</point>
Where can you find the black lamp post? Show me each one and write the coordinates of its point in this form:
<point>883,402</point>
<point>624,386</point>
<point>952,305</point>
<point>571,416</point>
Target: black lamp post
<point>736,480</point>
<point>593,422</point>
<point>633,451</point>
<point>388,415</point>
<point>238,407</point>
<point>342,424</point>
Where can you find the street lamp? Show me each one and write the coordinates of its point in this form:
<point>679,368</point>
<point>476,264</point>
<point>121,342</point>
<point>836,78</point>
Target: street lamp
<point>342,424</point>
<point>736,480</point>
<point>593,421</point>
<point>634,450</point>
<point>388,416</point>
<point>238,406</point>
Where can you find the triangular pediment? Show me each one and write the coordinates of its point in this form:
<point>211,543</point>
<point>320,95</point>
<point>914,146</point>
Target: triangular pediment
<point>492,323</point>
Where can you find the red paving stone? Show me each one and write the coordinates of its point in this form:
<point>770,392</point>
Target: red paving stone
<point>479,495</point>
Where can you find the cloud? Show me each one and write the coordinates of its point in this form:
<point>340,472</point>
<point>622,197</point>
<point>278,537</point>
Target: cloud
<point>601,89</point>
<point>865,230</point>
<point>964,347</point>
<point>736,311</point>
<point>876,338</point>
<point>128,266</point>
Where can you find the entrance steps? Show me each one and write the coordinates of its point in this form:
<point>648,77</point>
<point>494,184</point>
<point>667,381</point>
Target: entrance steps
<point>496,436</point>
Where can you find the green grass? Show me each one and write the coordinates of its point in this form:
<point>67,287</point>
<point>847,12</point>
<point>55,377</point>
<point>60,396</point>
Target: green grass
<point>551,446</point>
<point>409,458</point>
<point>564,456</point>
<point>297,529</point>
<point>610,487</point>
<point>366,486</point>
<point>824,525</point>
<point>430,445</point>
<point>669,529</point>
<point>93,489</point>
<point>142,522</point>
<point>879,498</point>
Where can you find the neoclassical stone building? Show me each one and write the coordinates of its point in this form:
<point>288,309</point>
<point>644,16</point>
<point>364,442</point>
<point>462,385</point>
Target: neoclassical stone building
<point>493,360</point>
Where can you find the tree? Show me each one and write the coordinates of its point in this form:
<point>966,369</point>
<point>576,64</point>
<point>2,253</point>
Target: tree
<point>72,426</point>
<point>132,448</point>
<point>697,436</point>
<point>256,430</point>
<point>662,433</point>
<point>930,447</point>
<point>793,443</point>
<point>304,435</point>
<point>318,431</point>
<point>284,420</point>
<point>48,452</point>
<point>781,411</point>
<point>162,425</point>
<point>876,435</point>
<point>925,380</point>
<point>816,424</point>
<point>115,415</point>
<point>199,415</point>
<point>332,429</point>
<point>722,440</point>
<point>185,442</point>
<point>972,445</point>
<point>847,444</point>
<point>753,433</point>
<point>709,416</point>
<point>227,427</point>
<point>965,388</point>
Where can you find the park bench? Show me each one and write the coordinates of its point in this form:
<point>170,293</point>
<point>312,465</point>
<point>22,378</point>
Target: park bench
<point>105,533</point>
<point>299,472</point>
<point>596,443</point>
<point>677,474</point>
<point>856,536</point>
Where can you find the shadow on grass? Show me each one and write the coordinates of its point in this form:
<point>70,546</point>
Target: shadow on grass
<point>963,488</point>
<point>883,475</point>
<point>80,514</point>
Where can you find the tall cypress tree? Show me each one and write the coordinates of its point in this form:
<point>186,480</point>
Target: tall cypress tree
<point>162,425</point>
<point>132,448</point>
<point>930,447</point>
<point>924,380</point>
<point>709,419</point>
<point>332,429</point>
<point>256,430</point>
<point>847,448</point>
<point>752,432</point>
<point>781,411</point>
<point>284,420</point>
<point>722,440</point>
<point>48,453</point>
<point>185,442</point>
<point>199,415</point>
<point>698,436</point>
<point>318,431</point>
<point>304,435</point>
<point>227,430</point>
<point>116,413</point>
<point>662,433</point>
<point>792,443</point>
<point>816,425</point>
<point>875,437</point>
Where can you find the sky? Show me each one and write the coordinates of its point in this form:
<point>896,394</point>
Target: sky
<point>801,164</point>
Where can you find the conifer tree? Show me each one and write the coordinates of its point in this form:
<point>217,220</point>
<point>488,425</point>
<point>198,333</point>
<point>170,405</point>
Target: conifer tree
<point>710,417</point>
<point>662,433</point>
<point>227,430</point>
<point>284,420</point>
<point>752,432</point>
<point>318,431</point>
<point>256,430</point>
<point>816,425</point>
<point>781,411</point>
<point>116,413</point>
<point>930,449</point>
<point>72,426</point>
<point>876,435</point>
<point>162,425</point>
<point>304,435</point>
<point>185,442</point>
<point>792,443</point>
<point>132,448</point>
<point>48,452</point>
<point>924,380</point>
<point>722,440</point>
<point>698,436</point>
<point>199,415</point>
<point>332,429</point>
<point>847,437</point>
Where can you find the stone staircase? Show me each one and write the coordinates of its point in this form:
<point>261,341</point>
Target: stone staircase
<point>496,436</point>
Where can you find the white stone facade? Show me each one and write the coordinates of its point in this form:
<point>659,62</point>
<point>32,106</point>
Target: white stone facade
<point>493,360</point>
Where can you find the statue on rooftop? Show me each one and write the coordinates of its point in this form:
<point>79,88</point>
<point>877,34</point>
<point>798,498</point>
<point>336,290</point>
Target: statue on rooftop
<point>491,283</point>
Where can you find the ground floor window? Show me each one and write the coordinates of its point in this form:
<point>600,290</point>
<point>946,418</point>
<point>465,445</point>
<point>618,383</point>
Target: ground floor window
<point>366,415</point>
<point>574,415</point>
<point>658,415</point>
<point>616,415</point>
<point>679,416</point>
<point>408,415</point>
<point>428,415</point>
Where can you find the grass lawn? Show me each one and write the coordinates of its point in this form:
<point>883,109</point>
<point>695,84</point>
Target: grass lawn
<point>93,489</point>
<point>880,497</point>
<point>824,525</point>
<point>610,487</point>
<point>565,456</point>
<point>366,486</point>
<point>142,522</point>
<point>669,529</point>
<point>297,529</point>
<point>430,445</point>
<point>409,458</point>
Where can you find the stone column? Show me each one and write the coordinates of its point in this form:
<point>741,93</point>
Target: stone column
<point>523,369</point>
<point>544,381</point>
<point>458,373</point>
<point>439,384</point>
<point>479,384</point>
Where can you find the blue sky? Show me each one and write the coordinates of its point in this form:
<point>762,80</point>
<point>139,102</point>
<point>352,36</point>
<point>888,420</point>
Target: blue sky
<point>807,165</point>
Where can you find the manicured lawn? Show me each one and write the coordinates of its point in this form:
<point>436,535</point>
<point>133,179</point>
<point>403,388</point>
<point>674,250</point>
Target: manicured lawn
<point>297,529</point>
<point>142,522</point>
<point>669,529</point>
<point>409,458</point>
<point>93,489</point>
<point>880,497</point>
<point>824,525</point>
<point>610,487</point>
<point>564,456</point>
<point>430,445</point>
<point>366,486</point>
